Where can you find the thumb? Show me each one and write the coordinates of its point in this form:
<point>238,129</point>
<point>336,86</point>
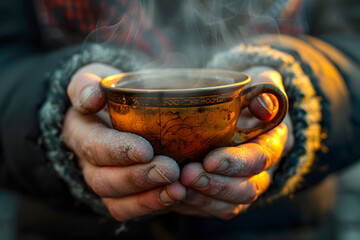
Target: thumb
<point>84,91</point>
<point>264,107</point>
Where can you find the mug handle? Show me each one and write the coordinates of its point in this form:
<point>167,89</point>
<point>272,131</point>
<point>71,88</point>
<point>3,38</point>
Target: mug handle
<point>243,135</point>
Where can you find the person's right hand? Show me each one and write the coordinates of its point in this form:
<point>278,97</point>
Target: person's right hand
<point>119,167</point>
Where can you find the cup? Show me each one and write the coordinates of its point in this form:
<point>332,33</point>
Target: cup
<point>185,113</point>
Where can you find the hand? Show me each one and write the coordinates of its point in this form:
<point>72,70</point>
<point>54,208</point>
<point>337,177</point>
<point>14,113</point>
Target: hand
<point>119,167</point>
<point>231,178</point>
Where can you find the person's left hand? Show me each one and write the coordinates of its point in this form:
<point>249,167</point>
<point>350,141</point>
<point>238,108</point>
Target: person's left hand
<point>231,178</point>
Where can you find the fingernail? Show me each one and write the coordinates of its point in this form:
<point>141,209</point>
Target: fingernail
<point>165,197</point>
<point>266,103</point>
<point>132,156</point>
<point>157,176</point>
<point>201,182</point>
<point>87,93</point>
<point>223,165</point>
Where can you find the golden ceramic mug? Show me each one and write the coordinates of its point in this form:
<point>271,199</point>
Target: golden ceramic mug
<point>185,113</point>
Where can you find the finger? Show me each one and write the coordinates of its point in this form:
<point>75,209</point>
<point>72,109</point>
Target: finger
<point>238,190</point>
<point>153,201</point>
<point>247,120</point>
<point>250,158</point>
<point>91,139</point>
<point>265,106</point>
<point>84,91</point>
<point>122,181</point>
<point>214,207</point>
<point>265,74</point>
<point>273,143</point>
<point>244,160</point>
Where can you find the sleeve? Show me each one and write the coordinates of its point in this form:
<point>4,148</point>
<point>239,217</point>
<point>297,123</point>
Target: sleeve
<point>23,164</point>
<point>345,138</point>
<point>323,98</point>
<point>337,38</point>
<point>33,102</point>
<point>332,55</point>
<point>37,83</point>
<point>53,109</point>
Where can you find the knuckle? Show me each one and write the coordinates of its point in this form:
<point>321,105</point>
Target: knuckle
<point>134,183</point>
<point>145,207</point>
<point>272,76</point>
<point>114,147</point>
<point>89,146</point>
<point>252,194</point>
<point>100,186</point>
<point>87,150</point>
<point>97,183</point>
<point>258,147</point>
<point>264,161</point>
<point>94,146</point>
<point>220,191</point>
<point>263,157</point>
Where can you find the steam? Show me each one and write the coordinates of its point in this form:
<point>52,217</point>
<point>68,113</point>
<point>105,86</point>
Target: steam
<point>120,26</point>
<point>196,29</point>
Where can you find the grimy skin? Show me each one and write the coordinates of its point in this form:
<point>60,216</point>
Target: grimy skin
<point>122,169</point>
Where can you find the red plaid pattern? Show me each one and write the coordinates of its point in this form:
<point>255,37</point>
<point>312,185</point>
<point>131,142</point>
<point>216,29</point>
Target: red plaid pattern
<point>118,21</point>
<point>125,23</point>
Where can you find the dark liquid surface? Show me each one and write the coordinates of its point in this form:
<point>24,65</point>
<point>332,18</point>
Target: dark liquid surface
<point>173,83</point>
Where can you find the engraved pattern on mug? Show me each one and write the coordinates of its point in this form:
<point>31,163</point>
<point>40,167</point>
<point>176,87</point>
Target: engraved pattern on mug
<point>186,123</point>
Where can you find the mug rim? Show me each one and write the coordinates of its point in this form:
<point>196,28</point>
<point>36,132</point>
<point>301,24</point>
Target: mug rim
<point>240,79</point>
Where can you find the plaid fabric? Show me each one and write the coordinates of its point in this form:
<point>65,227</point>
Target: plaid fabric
<point>122,22</point>
<point>289,21</point>
<point>125,23</point>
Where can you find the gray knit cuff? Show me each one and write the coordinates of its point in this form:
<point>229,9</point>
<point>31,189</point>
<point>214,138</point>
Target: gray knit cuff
<point>52,112</point>
<point>304,109</point>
